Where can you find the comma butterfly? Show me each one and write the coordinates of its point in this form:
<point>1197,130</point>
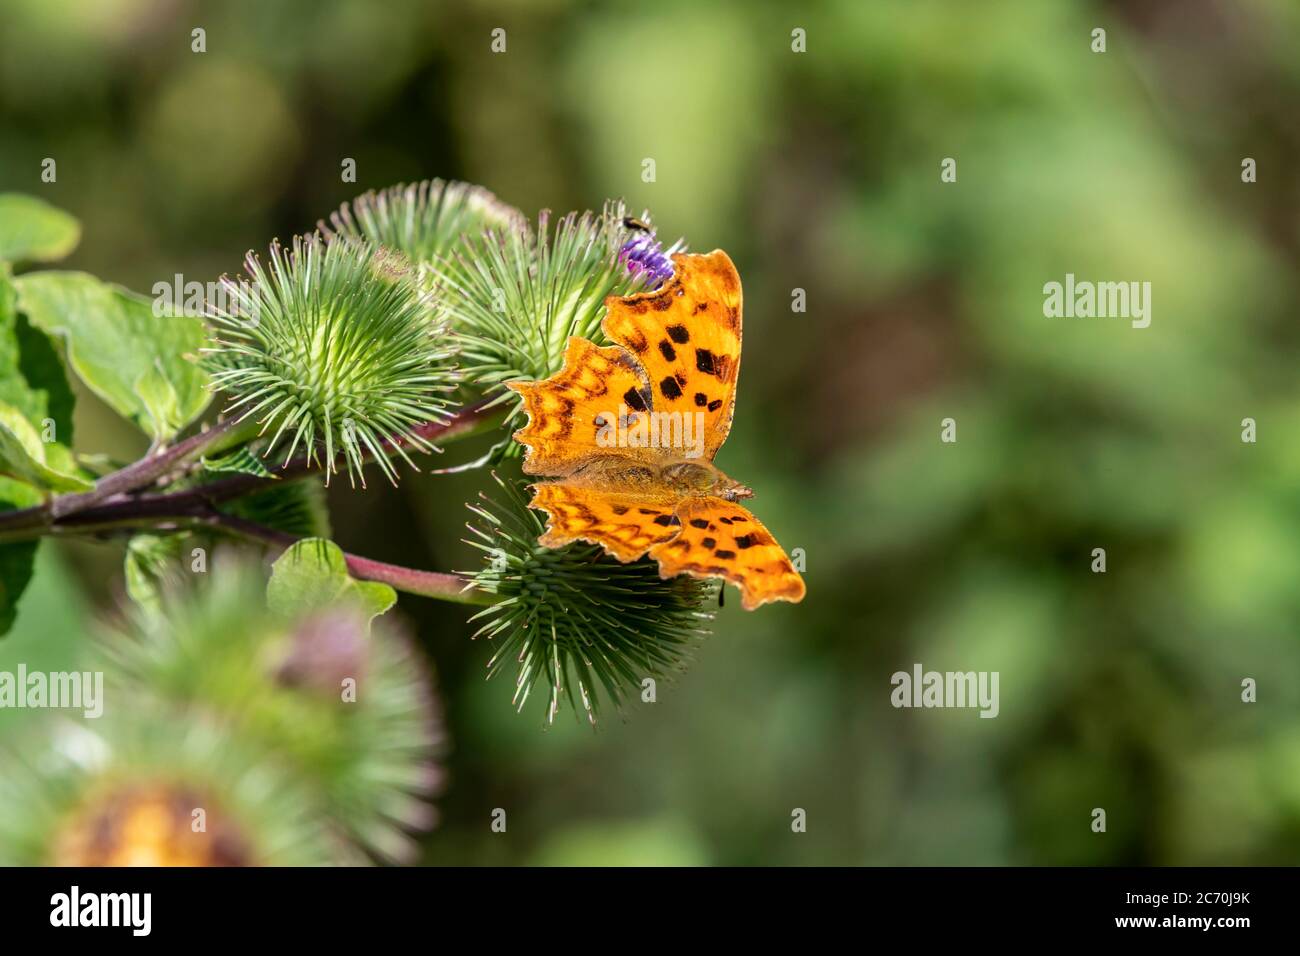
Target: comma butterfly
<point>628,432</point>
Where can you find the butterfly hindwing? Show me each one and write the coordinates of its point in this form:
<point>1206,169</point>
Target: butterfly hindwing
<point>626,525</point>
<point>720,539</point>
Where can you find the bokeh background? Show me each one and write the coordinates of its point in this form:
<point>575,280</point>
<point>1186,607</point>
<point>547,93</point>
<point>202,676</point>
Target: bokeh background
<point>818,171</point>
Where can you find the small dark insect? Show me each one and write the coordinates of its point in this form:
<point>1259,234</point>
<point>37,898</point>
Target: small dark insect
<point>630,222</point>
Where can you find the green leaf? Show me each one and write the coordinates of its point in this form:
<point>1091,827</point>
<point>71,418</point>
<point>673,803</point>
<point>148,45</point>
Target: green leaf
<point>31,374</point>
<point>32,230</point>
<point>313,575</point>
<point>59,458</point>
<point>16,559</point>
<point>161,403</point>
<point>16,562</point>
<point>31,381</point>
<point>135,361</point>
<point>47,381</point>
<point>22,455</point>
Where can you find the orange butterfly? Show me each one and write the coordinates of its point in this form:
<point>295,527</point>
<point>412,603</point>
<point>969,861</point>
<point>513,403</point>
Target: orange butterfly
<point>629,433</point>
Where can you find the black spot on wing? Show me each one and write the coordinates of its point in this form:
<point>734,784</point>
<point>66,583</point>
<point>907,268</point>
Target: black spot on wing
<point>678,334</point>
<point>670,388</point>
<point>635,398</point>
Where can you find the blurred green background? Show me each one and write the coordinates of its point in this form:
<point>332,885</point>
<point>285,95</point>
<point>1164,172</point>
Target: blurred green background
<point>817,171</point>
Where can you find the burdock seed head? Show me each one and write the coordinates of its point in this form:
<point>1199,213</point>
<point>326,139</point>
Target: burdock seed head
<point>574,620</point>
<point>422,220</point>
<point>330,348</point>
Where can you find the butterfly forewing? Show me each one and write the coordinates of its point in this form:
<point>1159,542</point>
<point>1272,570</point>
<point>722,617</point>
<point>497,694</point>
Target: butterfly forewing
<point>686,335</point>
<point>567,412</point>
<point>627,525</point>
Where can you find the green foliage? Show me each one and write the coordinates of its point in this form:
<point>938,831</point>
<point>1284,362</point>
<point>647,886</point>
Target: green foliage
<point>33,388</point>
<point>32,377</point>
<point>313,575</point>
<point>22,455</point>
<point>137,362</point>
<point>330,348</point>
<point>33,391</point>
<point>16,558</point>
<point>32,230</point>
<point>575,618</point>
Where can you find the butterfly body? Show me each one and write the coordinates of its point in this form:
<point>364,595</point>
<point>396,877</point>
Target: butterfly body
<point>691,477</point>
<point>681,476</point>
<point>628,434</point>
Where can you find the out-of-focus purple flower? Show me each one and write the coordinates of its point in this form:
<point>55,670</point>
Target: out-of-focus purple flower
<point>326,648</point>
<point>644,255</point>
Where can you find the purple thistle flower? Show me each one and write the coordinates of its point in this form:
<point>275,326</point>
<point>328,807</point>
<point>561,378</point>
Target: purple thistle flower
<point>644,256</point>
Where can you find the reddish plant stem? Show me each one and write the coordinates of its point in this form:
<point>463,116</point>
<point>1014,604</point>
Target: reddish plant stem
<point>131,478</point>
<point>444,587</point>
<point>461,423</point>
<point>433,584</point>
<point>95,507</point>
<point>111,506</point>
<point>143,472</point>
